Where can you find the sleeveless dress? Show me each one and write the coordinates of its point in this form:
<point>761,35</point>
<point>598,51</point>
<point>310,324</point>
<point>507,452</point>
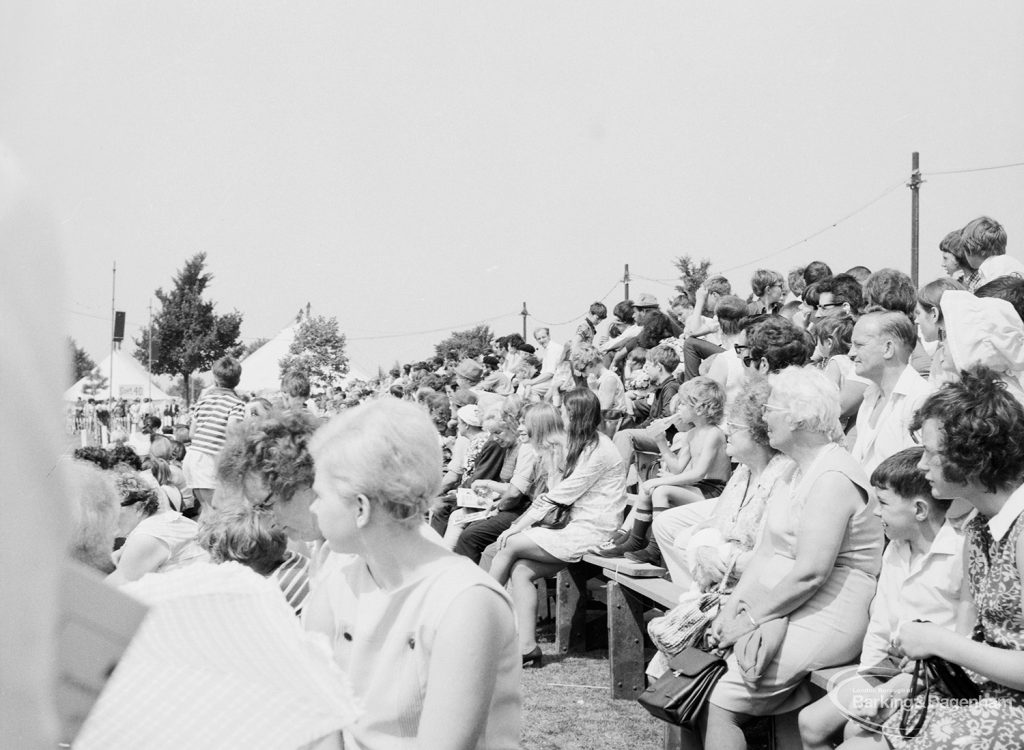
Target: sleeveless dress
<point>384,641</point>
<point>996,721</point>
<point>827,629</point>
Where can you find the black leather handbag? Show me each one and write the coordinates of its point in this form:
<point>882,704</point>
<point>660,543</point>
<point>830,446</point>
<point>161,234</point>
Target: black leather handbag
<point>953,680</point>
<point>557,516</point>
<point>679,695</point>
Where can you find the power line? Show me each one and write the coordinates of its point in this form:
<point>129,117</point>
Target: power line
<point>433,330</point>
<point>974,169</point>
<point>578,317</point>
<point>811,236</point>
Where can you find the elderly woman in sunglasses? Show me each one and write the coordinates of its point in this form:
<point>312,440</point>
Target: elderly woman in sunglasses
<point>802,602</point>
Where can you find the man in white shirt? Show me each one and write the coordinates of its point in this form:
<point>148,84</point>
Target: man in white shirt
<point>881,349</point>
<point>550,354</point>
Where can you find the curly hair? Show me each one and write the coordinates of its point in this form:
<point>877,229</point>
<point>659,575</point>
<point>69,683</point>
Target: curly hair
<point>243,534</point>
<point>624,311</point>
<point>811,399</point>
<point>94,455</point>
<point>982,428</point>
<point>657,328</point>
<point>706,396</point>
<point>780,342</point>
<point>126,455</point>
<point>274,449</point>
<point>748,409</point>
<point>134,491</point>
<point>845,288</point>
<point>584,356</point>
<point>1009,288</point>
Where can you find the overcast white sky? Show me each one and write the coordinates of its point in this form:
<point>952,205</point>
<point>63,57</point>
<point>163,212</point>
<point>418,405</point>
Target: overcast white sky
<point>416,166</point>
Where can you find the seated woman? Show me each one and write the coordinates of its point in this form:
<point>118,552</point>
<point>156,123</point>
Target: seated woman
<point>698,544</point>
<point>491,457</point>
<point>158,539</point>
<point>594,484</point>
<point>540,458</point>
<point>973,436</point>
<point>427,638</point>
<point>694,468</point>
<point>265,463</point>
<point>250,536</point>
<point>518,460</point>
<point>815,566</point>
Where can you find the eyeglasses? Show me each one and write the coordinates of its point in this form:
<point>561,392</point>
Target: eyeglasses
<point>731,428</point>
<point>748,360</point>
<point>828,305</point>
<point>740,349</point>
<point>766,407</point>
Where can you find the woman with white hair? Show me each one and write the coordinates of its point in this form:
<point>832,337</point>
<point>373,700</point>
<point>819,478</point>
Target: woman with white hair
<point>802,602</point>
<point>427,638</point>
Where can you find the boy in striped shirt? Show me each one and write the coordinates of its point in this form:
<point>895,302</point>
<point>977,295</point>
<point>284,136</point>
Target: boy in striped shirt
<point>211,415</point>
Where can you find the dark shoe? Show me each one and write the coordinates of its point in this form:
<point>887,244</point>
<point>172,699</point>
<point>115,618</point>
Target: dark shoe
<point>631,544</point>
<point>650,554</point>
<point>533,659</point>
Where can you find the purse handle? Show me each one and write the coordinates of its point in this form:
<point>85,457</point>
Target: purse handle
<point>921,674</point>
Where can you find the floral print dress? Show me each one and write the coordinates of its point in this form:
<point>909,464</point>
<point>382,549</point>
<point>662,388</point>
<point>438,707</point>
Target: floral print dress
<point>996,721</point>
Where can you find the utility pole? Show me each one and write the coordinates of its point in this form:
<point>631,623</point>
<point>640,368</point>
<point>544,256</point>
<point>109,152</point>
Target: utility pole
<point>149,340</point>
<point>113,318</point>
<point>524,314</point>
<point>625,281</point>
<point>915,214</point>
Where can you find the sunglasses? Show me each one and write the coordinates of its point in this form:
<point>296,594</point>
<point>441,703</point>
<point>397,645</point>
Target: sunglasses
<point>748,360</point>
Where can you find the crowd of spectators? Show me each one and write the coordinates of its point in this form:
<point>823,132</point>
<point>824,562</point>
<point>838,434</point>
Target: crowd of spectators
<point>838,453</point>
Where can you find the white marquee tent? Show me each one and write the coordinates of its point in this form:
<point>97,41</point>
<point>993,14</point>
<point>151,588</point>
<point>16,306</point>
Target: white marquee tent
<point>261,370</point>
<point>129,380</point>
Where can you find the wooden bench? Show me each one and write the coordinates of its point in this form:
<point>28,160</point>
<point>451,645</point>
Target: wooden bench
<point>571,598</point>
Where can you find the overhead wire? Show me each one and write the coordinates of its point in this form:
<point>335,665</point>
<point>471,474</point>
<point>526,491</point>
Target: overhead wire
<point>972,169</point>
<point>578,317</point>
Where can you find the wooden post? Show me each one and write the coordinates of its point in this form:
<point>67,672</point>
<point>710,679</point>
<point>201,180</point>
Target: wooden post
<point>524,314</point>
<point>915,210</point>
<point>625,281</point>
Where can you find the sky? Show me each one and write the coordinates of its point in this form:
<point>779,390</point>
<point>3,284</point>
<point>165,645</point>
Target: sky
<point>418,168</point>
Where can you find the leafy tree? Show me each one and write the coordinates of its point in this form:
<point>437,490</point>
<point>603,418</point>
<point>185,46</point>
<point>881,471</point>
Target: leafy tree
<point>81,362</point>
<point>252,346</point>
<point>187,335</point>
<point>318,350</point>
<point>96,385</point>
<point>177,389</point>
<point>470,343</point>
<point>691,273</point>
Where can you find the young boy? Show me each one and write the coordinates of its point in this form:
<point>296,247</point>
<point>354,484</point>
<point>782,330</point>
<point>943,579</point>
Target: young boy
<point>695,466</point>
<point>922,569</point>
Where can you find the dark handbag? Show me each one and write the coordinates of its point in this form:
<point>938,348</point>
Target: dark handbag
<point>953,679</point>
<point>679,695</point>
<point>557,516</point>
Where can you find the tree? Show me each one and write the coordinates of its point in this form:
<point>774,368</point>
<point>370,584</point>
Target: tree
<point>691,273</point>
<point>318,350</point>
<point>96,385</point>
<point>187,335</point>
<point>470,343</point>
<point>252,346</point>
<point>81,362</point>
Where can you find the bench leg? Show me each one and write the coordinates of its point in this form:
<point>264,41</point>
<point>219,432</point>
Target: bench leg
<point>625,642</point>
<point>681,738</point>
<point>570,610</point>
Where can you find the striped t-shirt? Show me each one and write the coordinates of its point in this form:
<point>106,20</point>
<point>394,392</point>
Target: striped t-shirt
<point>211,415</point>
<point>293,577</point>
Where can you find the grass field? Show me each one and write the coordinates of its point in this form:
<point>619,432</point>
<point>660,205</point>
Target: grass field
<point>567,706</point>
